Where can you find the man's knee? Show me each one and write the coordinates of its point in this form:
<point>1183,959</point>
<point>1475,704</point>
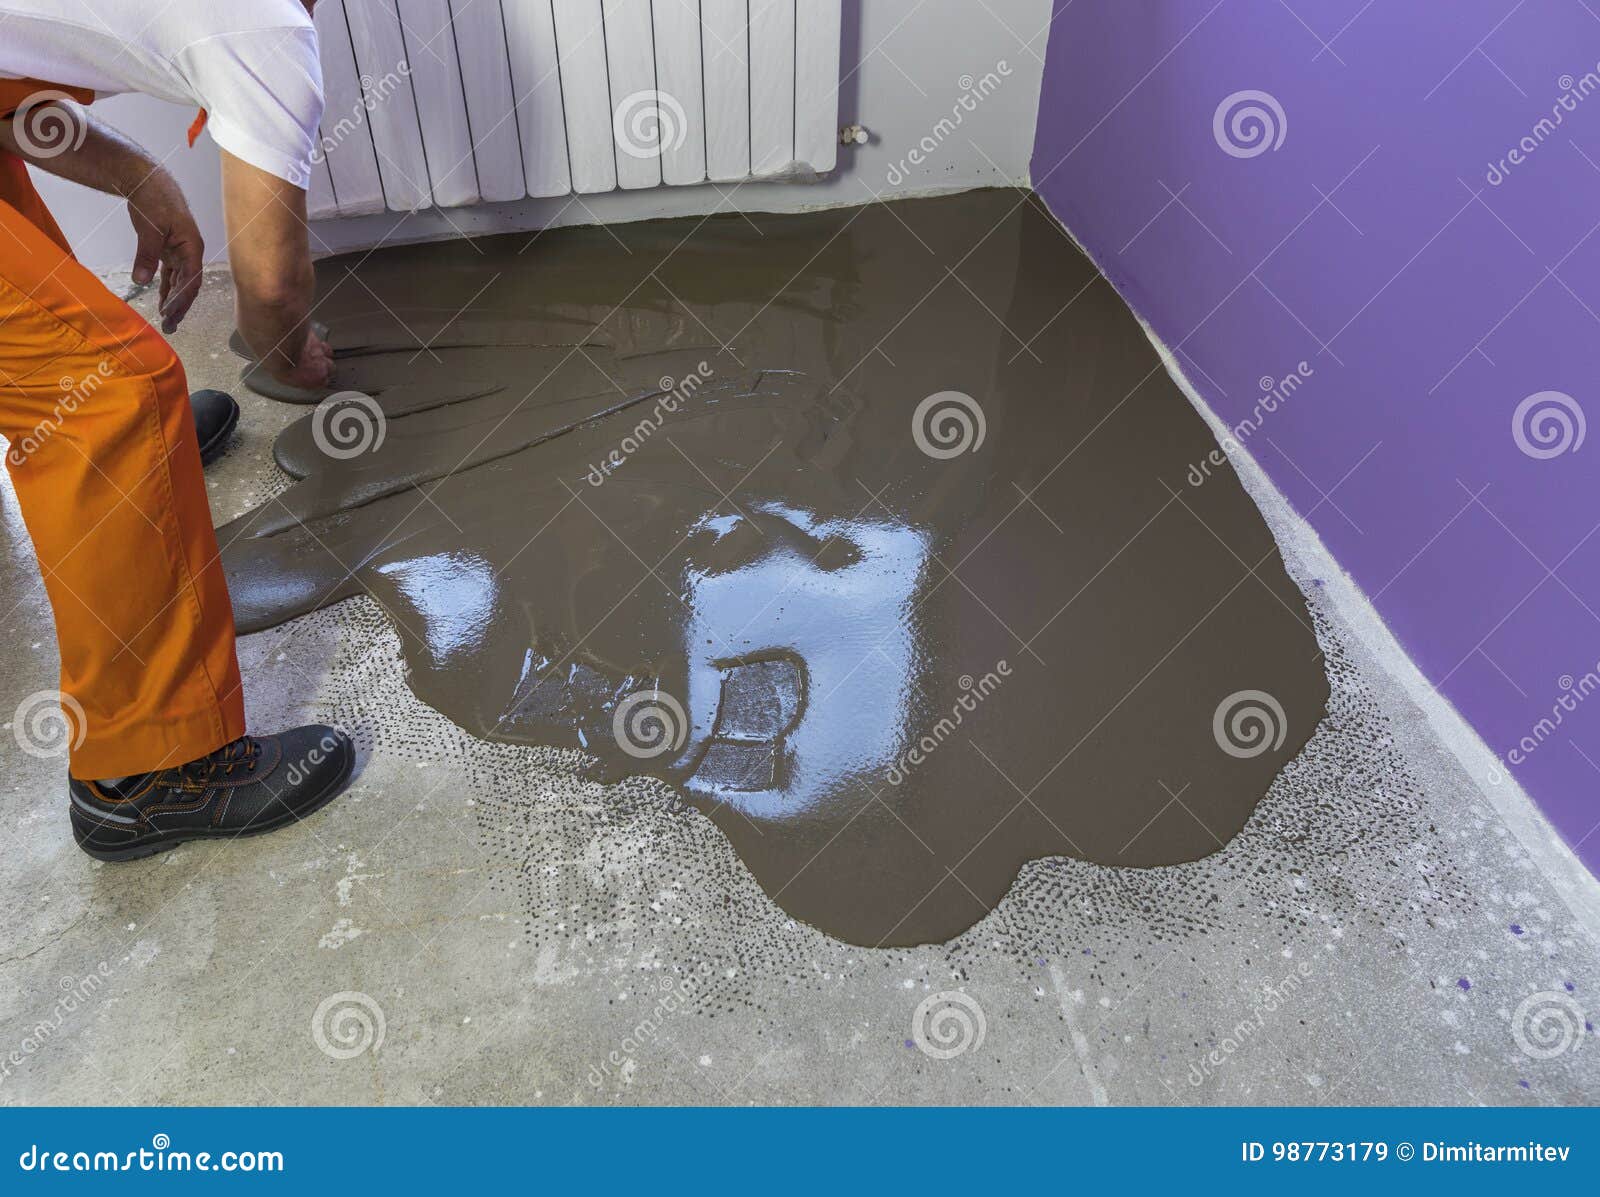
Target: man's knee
<point>145,351</point>
<point>151,373</point>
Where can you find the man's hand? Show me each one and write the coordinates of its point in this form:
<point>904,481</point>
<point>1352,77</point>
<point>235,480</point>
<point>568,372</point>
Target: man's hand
<point>96,155</point>
<point>169,240</point>
<point>314,369</point>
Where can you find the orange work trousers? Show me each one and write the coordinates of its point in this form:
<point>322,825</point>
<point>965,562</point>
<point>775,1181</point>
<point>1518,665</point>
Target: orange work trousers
<point>107,472</point>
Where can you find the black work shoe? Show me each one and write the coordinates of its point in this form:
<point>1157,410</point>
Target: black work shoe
<point>255,784</point>
<point>216,414</point>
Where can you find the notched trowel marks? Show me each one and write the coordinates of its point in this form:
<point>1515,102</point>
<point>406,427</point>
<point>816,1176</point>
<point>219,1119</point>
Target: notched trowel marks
<point>890,672</point>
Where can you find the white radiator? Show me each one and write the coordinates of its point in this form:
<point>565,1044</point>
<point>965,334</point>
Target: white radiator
<point>451,102</point>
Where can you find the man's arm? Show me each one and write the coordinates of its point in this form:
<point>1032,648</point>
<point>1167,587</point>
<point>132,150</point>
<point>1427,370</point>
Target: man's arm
<point>269,250</point>
<point>105,160</point>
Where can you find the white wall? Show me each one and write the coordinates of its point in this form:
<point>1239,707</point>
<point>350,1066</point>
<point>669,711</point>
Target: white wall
<point>907,66</point>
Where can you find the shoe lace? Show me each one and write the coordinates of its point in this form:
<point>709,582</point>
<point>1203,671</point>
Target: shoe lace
<point>245,751</point>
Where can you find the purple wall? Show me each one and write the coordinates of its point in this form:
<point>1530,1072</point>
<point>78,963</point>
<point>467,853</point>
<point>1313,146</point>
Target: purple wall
<point>1430,281</point>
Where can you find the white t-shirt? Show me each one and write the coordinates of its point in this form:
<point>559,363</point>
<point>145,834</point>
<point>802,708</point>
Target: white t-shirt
<point>251,64</point>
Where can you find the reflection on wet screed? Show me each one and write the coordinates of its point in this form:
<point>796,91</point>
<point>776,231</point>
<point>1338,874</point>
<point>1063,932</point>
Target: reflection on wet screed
<point>870,530</point>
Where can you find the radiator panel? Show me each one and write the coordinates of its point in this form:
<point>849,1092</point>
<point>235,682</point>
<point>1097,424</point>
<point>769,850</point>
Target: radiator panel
<point>635,111</point>
<point>677,54</point>
<point>380,54</point>
<point>481,46</point>
<point>428,33</point>
<point>816,77</point>
<point>536,83</point>
<point>353,186</point>
<point>586,94</point>
<point>442,103</point>
<point>725,50</point>
<point>772,85</point>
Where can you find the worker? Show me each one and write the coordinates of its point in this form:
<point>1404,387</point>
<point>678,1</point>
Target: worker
<point>93,401</point>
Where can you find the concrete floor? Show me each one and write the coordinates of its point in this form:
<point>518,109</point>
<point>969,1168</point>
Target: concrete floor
<point>473,923</point>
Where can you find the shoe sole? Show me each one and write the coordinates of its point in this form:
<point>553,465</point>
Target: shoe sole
<point>212,449</point>
<point>138,851</point>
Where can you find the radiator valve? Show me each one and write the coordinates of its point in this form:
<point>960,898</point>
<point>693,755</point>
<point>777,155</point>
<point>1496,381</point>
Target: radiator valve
<point>854,135</point>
